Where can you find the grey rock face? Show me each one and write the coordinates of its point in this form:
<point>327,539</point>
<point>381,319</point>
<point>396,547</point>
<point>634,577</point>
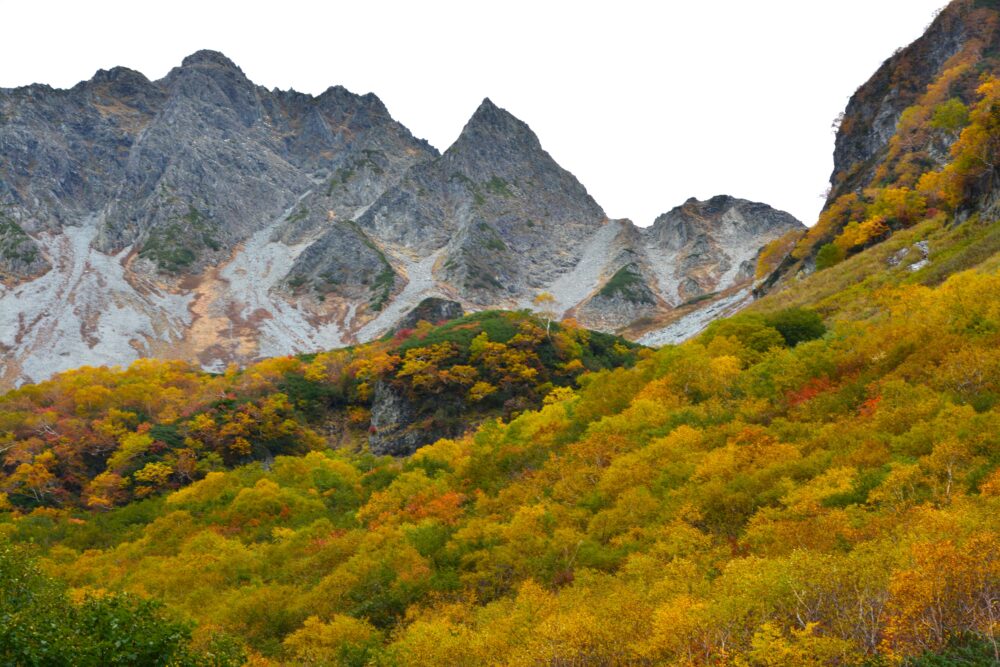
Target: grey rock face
<point>345,261</point>
<point>507,216</point>
<point>393,431</point>
<point>689,254</point>
<point>626,297</point>
<point>189,166</point>
<point>171,183</point>
<point>65,151</point>
<point>20,256</point>
<point>205,173</point>
<point>433,310</point>
<point>204,217</point>
<point>711,244</point>
<point>399,427</point>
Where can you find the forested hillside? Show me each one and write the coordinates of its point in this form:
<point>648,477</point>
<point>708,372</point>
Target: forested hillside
<point>100,438</point>
<point>730,498</point>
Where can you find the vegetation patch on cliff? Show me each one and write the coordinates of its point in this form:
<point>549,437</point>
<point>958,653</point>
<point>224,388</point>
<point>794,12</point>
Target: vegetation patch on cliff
<point>177,245</point>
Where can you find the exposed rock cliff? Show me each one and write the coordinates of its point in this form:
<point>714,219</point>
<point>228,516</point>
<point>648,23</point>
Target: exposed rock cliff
<point>433,311</point>
<point>689,254</point>
<point>899,135</point>
<point>506,218</point>
<point>872,115</point>
<point>712,245</point>
<point>204,217</point>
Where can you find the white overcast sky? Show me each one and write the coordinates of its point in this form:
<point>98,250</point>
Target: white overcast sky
<point>647,103</point>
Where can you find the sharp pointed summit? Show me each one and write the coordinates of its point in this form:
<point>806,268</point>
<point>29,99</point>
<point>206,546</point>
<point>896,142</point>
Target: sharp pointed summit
<point>118,74</point>
<point>488,113</point>
<point>493,125</point>
<point>504,216</point>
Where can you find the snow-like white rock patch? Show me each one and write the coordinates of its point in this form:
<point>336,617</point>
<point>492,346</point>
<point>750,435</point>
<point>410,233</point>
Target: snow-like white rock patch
<point>663,263</point>
<point>420,285</point>
<point>571,288</point>
<point>739,247</point>
<point>250,277</point>
<point>695,322</point>
<point>83,312</point>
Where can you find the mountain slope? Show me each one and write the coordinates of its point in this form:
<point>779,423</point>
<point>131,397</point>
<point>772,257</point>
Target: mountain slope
<point>204,218</point>
<point>913,142</point>
<point>154,205</point>
<point>730,498</point>
<point>915,201</point>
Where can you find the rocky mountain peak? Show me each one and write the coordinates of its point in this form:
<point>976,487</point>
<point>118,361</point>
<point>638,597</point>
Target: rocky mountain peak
<point>117,75</point>
<point>712,213</point>
<point>342,105</point>
<point>964,31</point>
<point>713,243</point>
<point>889,133</point>
<point>204,75</point>
<point>718,203</point>
<point>123,84</point>
<point>489,115</point>
<point>210,89</point>
<point>209,58</point>
<point>507,218</point>
<point>493,132</point>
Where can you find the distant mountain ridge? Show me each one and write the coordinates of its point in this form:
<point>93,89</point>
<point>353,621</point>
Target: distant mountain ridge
<point>204,217</point>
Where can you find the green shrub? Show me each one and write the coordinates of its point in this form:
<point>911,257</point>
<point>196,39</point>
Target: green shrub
<point>828,256</point>
<point>797,325</point>
<point>40,625</point>
<point>751,330</point>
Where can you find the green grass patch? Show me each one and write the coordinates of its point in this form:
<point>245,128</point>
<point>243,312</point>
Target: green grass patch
<point>499,187</point>
<point>382,287</point>
<point>386,279</point>
<point>15,244</point>
<point>298,215</point>
<point>968,245</point>
<point>698,299</point>
<point>479,278</point>
<point>493,242</point>
<point>845,289</point>
<point>499,325</point>
<point>177,245</point>
<point>627,283</point>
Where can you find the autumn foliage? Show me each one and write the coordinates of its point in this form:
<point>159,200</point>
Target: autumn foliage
<point>942,156</point>
<point>100,438</point>
<point>766,494</point>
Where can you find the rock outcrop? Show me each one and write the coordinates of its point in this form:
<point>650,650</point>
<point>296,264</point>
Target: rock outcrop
<point>949,61</point>
<point>392,431</point>
<point>399,427</point>
<point>432,310</point>
<point>20,256</point>
<point>690,255</point>
<point>899,126</point>
<point>872,115</point>
<point>702,247</point>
